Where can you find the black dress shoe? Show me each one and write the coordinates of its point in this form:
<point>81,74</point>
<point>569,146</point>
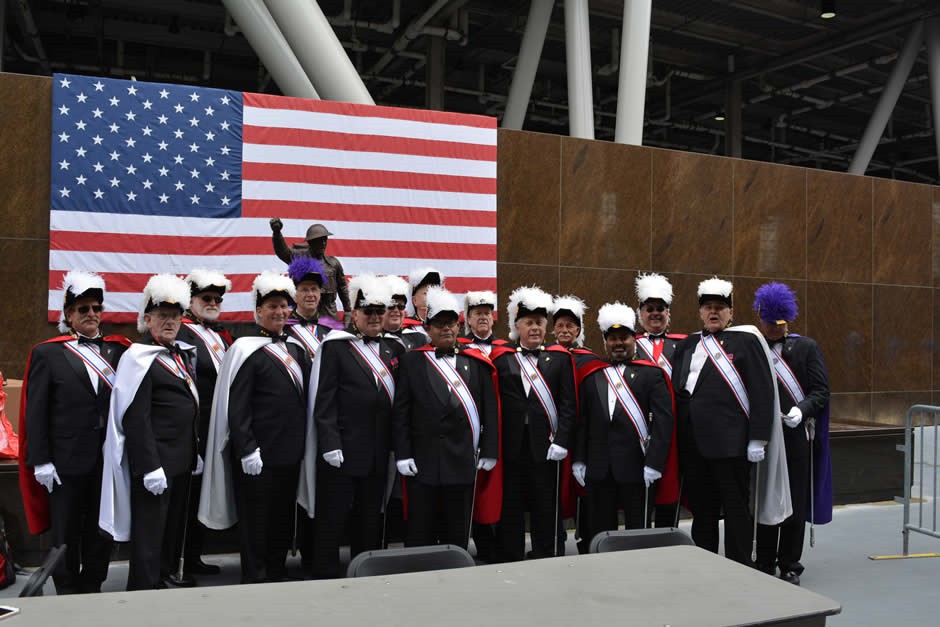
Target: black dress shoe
<point>199,567</point>
<point>790,577</point>
<point>769,569</point>
<point>796,567</point>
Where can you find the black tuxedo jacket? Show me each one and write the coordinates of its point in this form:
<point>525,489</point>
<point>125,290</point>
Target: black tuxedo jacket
<point>353,411</point>
<point>803,356</point>
<point>670,343</point>
<point>160,423</point>
<point>65,415</point>
<point>431,426</point>
<point>711,417</point>
<point>206,376</point>
<point>606,444</point>
<point>557,369</point>
<point>267,410</point>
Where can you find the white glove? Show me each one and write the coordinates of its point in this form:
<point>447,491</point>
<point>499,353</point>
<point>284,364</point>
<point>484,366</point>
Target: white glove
<point>200,465</point>
<point>650,475</point>
<point>486,463</point>
<point>407,467</point>
<point>755,451</point>
<point>556,453</point>
<point>45,474</point>
<point>793,418</point>
<point>155,481</point>
<point>252,464</point>
<point>334,458</point>
<point>579,469</point>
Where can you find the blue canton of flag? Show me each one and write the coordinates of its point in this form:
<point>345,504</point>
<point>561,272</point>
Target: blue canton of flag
<point>145,148</point>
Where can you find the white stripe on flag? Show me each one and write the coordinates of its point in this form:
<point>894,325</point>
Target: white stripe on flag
<point>344,195</point>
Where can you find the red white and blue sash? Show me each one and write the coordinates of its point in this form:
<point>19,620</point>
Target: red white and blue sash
<point>458,387</point>
<point>649,348</point>
<point>482,347</point>
<point>212,340</point>
<point>175,365</point>
<point>93,360</point>
<point>540,387</point>
<point>728,372</point>
<point>629,404</point>
<point>375,363</point>
<point>293,368</point>
<point>308,337</point>
<point>786,377</point>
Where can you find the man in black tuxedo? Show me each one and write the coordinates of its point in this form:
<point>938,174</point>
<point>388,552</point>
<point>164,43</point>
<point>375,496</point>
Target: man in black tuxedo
<point>803,386</point>
<point>536,387</point>
<point>354,374</point>
<point>394,319</point>
<point>725,407</point>
<point>445,427</point>
<point>625,427</point>
<point>267,420</point>
<point>66,393</point>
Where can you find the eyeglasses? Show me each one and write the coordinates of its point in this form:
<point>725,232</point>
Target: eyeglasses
<point>656,308</point>
<point>209,298</point>
<point>398,306</point>
<point>83,309</point>
<point>373,311</point>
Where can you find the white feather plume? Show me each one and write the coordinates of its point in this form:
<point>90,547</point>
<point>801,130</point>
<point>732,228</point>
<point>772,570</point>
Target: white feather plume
<point>268,282</point>
<point>375,290</point>
<point>440,300</point>
<point>715,286</point>
<point>78,283</point>
<point>616,313</point>
<point>201,279</point>
<point>163,288</point>
<point>398,286</point>
<point>414,278</point>
<point>653,286</point>
<point>576,306</point>
<point>530,297</point>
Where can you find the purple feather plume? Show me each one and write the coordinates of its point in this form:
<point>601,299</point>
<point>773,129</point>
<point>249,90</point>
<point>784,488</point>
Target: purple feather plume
<point>302,266</point>
<point>775,301</point>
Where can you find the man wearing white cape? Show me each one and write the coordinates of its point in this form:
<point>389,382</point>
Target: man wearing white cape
<point>727,413</point>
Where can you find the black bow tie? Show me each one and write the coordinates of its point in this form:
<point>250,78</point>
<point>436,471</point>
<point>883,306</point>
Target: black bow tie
<point>90,340</point>
<point>396,333</point>
<point>619,362</point>
<point>773,343</point>
<point>534,352</point>
<point>368,338</point>
<point>657,336</point>
<point>478,340</point>
<point>280,338</point>
<point>444,352</point>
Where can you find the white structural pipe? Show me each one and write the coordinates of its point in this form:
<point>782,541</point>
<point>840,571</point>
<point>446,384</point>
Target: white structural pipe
<point>578,61</point>
<point>269,44</point>
<point>932,36</point>
<point>527,64</point>
<point>634,57</point>
<point>889,98</point>
<point>319,50</point>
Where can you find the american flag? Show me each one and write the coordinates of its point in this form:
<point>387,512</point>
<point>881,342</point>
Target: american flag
<point>149,178</point>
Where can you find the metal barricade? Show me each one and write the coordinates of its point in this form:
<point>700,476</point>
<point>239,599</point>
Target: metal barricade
<point>923,418</point>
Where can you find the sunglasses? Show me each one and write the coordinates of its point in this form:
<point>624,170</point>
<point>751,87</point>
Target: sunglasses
<point>83,309</point>
<point>373,311</point>
<point>398,306</point>
<point>209,298</point>
<point>656,308</point>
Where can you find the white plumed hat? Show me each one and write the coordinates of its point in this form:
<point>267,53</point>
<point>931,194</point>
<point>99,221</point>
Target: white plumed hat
<point>653,286</point>
<point>367,289</point>
<point>419,277</point>
<point>163,290</point>
<point>75,285</point>
<point>476,299</point>
<point>715,289</point>
<point>201,279</point>
<point>398,286</point>
<point>615,316</point>
<point>441,301</point>
<point>524,301</point>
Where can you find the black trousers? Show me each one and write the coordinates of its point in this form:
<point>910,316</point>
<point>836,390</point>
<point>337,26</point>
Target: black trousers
<point>783,544</point>
<point>716,486</point>
<point>665,515</point>
<point>350,504</point>
<point>438,514</point>
<point>605,497</point>
<point>73,512</point>
<point>156,527</point>
<point>266,504</point>
<point>195,530</point>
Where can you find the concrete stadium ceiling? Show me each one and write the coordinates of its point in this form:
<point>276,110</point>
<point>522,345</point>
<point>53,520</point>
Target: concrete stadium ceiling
<point>809,85</point>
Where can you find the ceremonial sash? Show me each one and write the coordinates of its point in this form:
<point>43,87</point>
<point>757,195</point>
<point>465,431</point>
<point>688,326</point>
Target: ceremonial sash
<point>378,368</point>
<point>293,368</point>
<point>786,377</point>
<point>483,348</point>
<point>93,360</point>
<point>458,387</point>
<point>175,365</point>
<point>308,338</point>
<point>629,404</point>
<point>212,340</point>
<point>728,372</point>
<point>540,387</point>
<point>648,347</point>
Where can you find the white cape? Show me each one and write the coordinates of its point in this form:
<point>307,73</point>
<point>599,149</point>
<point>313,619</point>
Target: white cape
<point>114,512</point>
<point>774,503</point>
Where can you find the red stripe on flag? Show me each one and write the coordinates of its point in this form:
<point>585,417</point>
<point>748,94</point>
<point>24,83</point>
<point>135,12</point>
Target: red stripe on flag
<point>227,246</point>
<point>368,111</point>
<point>291,173</point>
<point>366,143</point>
<point>325,212</point>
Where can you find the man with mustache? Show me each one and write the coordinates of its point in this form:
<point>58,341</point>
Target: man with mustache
<point>64,411</point>
<point>567,319</point>
<point>445,427</point>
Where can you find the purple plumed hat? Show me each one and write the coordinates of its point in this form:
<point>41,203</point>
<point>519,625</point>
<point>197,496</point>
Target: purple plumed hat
<point>775,303</point>
<point>303,268</point>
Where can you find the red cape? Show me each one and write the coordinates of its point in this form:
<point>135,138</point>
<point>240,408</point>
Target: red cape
<point>667,490</point>
<point>568,489</point>
<point>35,496</point>
<point>488,500</point>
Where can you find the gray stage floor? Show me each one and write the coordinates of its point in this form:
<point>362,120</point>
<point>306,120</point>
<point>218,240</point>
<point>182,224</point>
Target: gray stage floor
<point>872,593</point>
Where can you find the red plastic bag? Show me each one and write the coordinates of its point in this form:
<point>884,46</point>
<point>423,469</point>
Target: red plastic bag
<point>9,441</point>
